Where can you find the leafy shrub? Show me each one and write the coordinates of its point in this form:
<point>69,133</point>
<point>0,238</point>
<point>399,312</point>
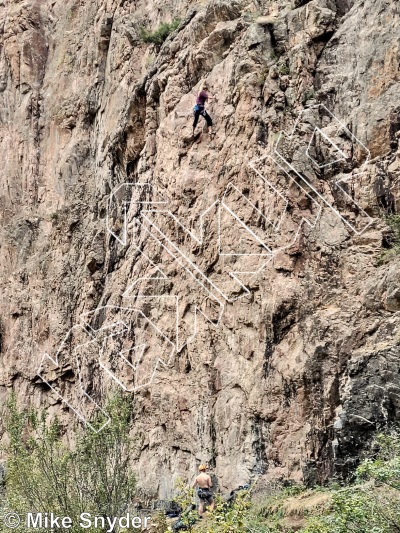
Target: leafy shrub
<point>373,504</point>
<point>370,505</point>
<point>284,69</point>
<point>159,523</point>
<point>393,239</point>
<point>184,498</point>
<point>45,475</point>
<point>228,518</point>
<point>160,34</point>
<point>308,95</point>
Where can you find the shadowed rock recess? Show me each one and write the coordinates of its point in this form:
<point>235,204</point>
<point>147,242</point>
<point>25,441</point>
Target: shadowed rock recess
<point>290,366</point>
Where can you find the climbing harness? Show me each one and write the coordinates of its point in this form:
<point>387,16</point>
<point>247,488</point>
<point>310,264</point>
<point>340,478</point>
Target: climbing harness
<point>204,494</point>
<point>199,109</point>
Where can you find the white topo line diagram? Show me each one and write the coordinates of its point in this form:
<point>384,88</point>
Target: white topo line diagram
<point>241,232</point>
<point>102,340</point>
<point>238,249</point>
<point>318,143</point>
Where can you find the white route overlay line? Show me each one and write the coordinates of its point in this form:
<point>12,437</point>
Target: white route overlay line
<point>178,345</point>
<point>176,252</point>
<point>130,289</point>
<point>338,182</point>
<point>55,362</point>
<point>304,220</point>
<point>206,284</point>
<point>142,347</point>
<point>234,215</point>
<point>78,350</point>
<point>145,186</point>
<point>195,270</point>
<point>342,125</point>
<point>217,294</point>
<point>343,158</point>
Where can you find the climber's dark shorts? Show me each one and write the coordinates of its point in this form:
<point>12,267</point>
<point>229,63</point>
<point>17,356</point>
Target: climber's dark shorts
<point>205,495</point>
<point>199,110</point>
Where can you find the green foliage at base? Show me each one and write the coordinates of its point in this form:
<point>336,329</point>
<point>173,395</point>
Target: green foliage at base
<point>160,34</point>
<point>184,498</point>
<point>283,69</point>
<point>228,518</point>
<point>44,474</point>
<point>373,503</point>
<point>223,519</point>
<point>268,514</point>
<point>308,95</point>
<point>370,505</point>
<point>393,221</point>
<point>158,523</point>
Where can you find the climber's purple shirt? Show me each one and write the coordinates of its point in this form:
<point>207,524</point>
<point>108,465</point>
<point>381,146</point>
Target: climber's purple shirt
<point>201,99</point>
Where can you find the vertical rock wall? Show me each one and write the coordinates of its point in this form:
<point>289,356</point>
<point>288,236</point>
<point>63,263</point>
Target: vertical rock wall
<point>286,372</point>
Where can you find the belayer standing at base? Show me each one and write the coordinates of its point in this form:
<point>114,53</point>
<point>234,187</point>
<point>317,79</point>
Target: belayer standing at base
<point>204,484</point>
<point>200,109</point>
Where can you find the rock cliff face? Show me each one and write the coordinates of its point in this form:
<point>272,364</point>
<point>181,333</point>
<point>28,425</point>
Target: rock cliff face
<point>288,366</point>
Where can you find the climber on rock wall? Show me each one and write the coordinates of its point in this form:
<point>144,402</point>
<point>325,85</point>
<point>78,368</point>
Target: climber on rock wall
<point>199,109</point>
<point>204,484</point>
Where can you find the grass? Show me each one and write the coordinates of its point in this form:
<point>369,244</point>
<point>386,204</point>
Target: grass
<point>158,36</point>
<point>370,503</point>
<point>392,239</point>
<point>273,511</point>
<point>283,69</point>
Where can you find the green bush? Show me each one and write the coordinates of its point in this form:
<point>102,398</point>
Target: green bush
<point>43,474</point>
<point>373,503</point>
<point>370,505</point>
<point>184,498</point>
<point>308,95</point>
<point>233,518</point>
<point>393,239</point>
<point>283,69</point>
<point>160,34</point>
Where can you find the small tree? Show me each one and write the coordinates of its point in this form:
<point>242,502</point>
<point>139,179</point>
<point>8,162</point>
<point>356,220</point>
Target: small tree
<point>45,475</point>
